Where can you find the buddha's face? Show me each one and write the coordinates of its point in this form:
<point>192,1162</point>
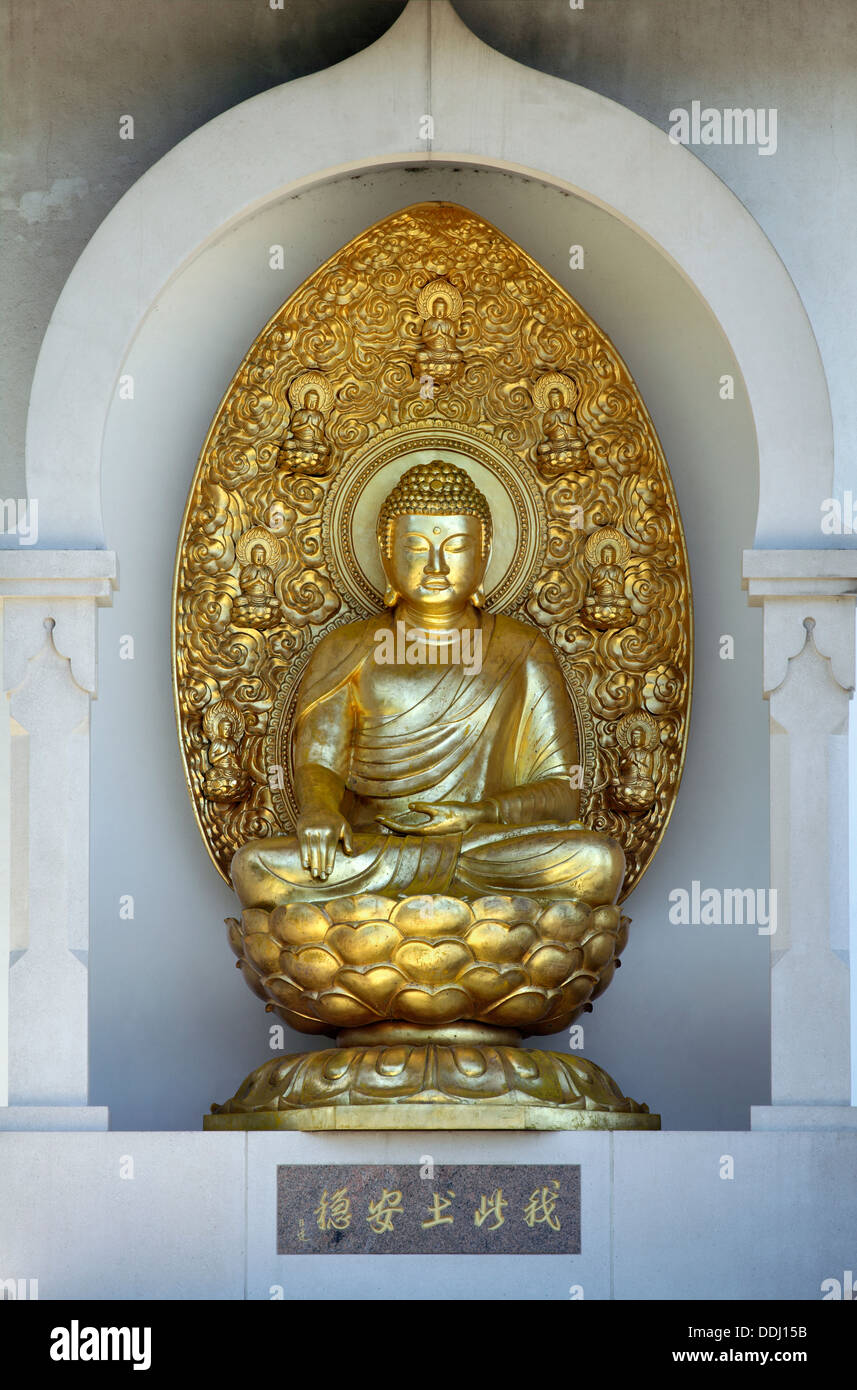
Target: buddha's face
<point>555,398</point>
<point>636,738</point>
<point>608,555</point>
<point>436,563</point>
<point>257,555</point>
<point>311,400</point>
<point>438,308</point>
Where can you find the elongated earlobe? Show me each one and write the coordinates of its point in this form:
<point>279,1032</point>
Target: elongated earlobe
<point>391,598</point>
<point>478,598</point>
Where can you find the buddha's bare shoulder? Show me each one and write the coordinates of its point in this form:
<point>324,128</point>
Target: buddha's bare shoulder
<point>523,636</point>
<point>362,630</point>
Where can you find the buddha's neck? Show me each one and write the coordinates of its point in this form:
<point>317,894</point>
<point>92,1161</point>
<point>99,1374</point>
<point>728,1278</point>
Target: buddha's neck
<point>467,616</point>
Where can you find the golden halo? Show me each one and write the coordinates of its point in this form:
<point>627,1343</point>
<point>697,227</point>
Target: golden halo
<point>599,540</point>
<point>554,381</point>
<point>311,381</point>
<point>259,535</point>
<point>349,531</point>
<point>219,710</point>
<point>638,720</point>
<point>439,289</point>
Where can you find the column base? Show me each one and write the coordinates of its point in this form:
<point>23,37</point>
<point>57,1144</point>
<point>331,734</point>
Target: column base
<point>803,1117</point>
<point>50,1118</point>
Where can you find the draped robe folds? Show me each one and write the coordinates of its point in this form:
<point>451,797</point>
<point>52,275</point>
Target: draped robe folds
<point>505,733</point>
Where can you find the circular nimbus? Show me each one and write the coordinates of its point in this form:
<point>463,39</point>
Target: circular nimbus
<point>259,535</point>
<point>598,542</point>
<point>517,511</point>
<point>554,381</point>
<point>311,381</point>
<point>439,290</point>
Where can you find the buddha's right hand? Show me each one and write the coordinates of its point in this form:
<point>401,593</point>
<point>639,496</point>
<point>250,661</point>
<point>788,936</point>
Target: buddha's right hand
<point>319,833</point>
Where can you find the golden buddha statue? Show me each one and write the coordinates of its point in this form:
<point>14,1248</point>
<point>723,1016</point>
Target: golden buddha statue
<point>606,605</point>
<point>563,448</point>
<point>306,448</point>
<point>256,605</point>
<point>223,726</point>
<point>438,357</point>
<point>412,779</point>
<point>401,800</point>
<point>634,788</point>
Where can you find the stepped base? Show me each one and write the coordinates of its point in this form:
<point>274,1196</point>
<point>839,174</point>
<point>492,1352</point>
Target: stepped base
<point>394,1077</point>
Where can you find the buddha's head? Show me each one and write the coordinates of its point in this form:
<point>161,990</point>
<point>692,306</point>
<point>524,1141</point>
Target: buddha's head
<point>608,555</point>
<point>637,737</point>
<point>555,398</point>
<point>434,535</point>
<point>257,555</point>
<point>438,309</point>
<point>311,400</point>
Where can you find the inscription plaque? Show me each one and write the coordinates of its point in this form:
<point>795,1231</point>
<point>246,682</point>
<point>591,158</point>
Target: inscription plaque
<point>391,1209</point>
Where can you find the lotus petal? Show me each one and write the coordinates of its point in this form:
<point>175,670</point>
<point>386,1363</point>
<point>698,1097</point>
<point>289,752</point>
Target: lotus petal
<point>375,986</point>
<point>263,951</point>
<point>487,985</point>
<point>314,967</point>
<point>564,921</point>
<point>443,1005</point>
<point>362,907</point>
<point>598,949</point>
<point>519,1009</point>
<point>432,963</point>
<point>549,966</point>
<point>500,942</point>
<point>255,919</point>
<point>299,924</point>
<point>367,944</point>
<point>344,1010</point>
<point>501,908</point>
<point>431,915</point>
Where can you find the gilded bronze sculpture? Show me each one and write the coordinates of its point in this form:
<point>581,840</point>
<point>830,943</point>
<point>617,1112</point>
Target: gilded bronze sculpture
<point>455,628</point>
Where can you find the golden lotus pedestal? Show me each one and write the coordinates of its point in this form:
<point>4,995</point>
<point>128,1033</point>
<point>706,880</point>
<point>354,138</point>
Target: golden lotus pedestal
<point>398,1076</point>
<point>516,965</point>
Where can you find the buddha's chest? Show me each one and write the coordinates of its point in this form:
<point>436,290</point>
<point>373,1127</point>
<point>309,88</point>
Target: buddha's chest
<point>389,690</point>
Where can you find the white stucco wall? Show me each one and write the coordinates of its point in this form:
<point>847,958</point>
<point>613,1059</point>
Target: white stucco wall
<point>685,1024</point>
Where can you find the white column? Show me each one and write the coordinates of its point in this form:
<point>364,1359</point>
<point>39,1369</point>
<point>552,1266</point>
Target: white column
<point>50,603</point>
<point>808,598</point>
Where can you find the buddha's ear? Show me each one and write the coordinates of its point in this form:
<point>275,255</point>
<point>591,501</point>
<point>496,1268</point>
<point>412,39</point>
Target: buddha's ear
<point>391,595</point>
<point>478,598</point>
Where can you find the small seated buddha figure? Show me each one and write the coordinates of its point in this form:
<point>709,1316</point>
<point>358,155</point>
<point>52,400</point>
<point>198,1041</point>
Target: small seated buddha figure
<point>256,605</point>
<point>223,726</point>
<point>424,777</point>
<point>563,448</point>
<point>439,357</point>
<point>306,448</point>
<point>606,606</point>
<point>634,789</point>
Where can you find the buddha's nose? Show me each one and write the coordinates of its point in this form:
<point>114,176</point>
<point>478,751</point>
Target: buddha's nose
<point>436,562</point>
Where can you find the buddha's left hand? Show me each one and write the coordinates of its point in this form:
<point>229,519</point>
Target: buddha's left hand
<point>445,817</point>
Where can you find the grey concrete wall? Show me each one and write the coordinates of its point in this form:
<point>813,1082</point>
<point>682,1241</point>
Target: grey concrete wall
<point>72,67</point>
<point>684,1026</point>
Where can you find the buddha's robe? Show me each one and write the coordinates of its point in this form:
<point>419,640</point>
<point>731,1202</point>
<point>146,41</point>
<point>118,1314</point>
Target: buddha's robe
<point>505,733</point>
